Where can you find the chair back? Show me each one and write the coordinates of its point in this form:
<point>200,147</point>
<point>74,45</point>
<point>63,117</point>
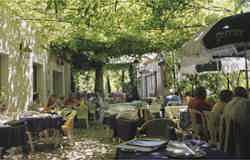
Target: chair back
<point>197,127</point>
<point>159,128</point>
<point>125,129</point>
<point>69,123</point>
<point>212,129</point>
<point>144,114</point>
<point>82,111</point>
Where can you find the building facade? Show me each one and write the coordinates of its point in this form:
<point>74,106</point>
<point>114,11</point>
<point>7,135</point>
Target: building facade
<point>149,77</point>
<point>26,68</point>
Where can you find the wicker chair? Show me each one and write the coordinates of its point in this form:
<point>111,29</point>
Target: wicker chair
<point>125,129</point>
<point>83,114</point>
<point>159,128</point>
<point>144,114</point>
<point>198,129</point>
<point>69,125</point>
<point>213,130</point>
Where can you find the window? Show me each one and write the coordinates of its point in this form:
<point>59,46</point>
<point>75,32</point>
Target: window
<point>35,77</point>
<point>37,82</point>
<point>3,72</point>
<point>57,83</point>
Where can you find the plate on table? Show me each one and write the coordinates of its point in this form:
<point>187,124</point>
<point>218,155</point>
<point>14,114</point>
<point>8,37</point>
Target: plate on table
<point>142,145</point>
<point>177,149</point>
<point>147,142</point>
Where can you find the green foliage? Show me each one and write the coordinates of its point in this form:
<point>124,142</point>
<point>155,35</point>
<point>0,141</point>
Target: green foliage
<point>214,82</point>
<point>84,81</point>
<point>88,32</point>
<point>56,5</point>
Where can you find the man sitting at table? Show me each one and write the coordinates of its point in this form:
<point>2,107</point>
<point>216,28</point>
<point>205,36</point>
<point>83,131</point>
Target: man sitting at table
<point>218,109</point>
<point>199,101</point>
<point>187,98</point>
<point>50,105</point>
<point>235,125</point>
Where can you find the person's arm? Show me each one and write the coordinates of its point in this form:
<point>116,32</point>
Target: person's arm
<point>206,107</point>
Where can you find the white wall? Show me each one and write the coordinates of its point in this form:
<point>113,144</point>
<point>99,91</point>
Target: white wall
<point>17,64</point>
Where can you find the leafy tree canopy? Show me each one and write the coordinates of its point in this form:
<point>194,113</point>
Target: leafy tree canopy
<point>98,29</point>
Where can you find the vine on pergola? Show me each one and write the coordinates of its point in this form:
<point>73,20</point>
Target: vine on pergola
<point>88,53</point>
<point>85,54</point>
<point>88,32</point>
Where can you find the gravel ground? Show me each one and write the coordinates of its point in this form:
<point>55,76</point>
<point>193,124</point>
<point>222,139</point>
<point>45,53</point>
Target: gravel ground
<point>94,143</point>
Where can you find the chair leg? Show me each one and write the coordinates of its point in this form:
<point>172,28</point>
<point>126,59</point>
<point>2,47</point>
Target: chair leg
<point>69,134</point>
<point>32,148</point>
<point>56,136</point>
<point>46,136</point>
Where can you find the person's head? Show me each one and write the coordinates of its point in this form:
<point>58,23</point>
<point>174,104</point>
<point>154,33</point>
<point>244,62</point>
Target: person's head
<point>226,95</point>
<point>188,94</point>
<point>51,100</point>
<point>240,92</point>
<point>187,97</point>
<point>200,92</point>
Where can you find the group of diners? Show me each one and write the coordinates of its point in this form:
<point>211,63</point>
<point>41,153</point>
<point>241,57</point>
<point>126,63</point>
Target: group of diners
<point>56,103</point>
<point>228,118</point>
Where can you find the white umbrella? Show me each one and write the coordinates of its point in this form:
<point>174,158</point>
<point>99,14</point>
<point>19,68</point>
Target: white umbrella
<point>194,51</point>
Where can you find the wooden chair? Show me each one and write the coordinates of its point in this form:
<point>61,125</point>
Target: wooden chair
<point>198,129</point>
<point>69,125</point>
<point>83,113</point>
<point>144,114</point>
<point>92,110</point>
<point>125,129</point>
<point>213,130</point>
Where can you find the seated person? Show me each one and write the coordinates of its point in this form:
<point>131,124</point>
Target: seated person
<point>50,104</point>
<point>69,101</point>
<point>199,102</point>
<point>187,98</point>
<point>224,97</point>
<point>72,101</point>
<point>235,126</point>
<point>218,109</point>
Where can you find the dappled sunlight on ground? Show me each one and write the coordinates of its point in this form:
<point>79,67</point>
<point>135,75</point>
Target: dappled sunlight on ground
<point>94,143</point>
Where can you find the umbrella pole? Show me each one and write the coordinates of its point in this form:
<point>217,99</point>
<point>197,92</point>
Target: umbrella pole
<point>246,70</point>
<point>228,81</point>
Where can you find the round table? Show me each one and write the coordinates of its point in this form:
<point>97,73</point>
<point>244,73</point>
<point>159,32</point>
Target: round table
<point>37,124</point>
<point>12,136</point>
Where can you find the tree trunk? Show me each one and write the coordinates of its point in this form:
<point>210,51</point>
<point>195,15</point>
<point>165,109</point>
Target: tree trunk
<point>108,85</point>
<point>73,84</point>
<point>163,81</point>
<point>123,81</point>
<point>99,81</point>
<point>133,83</point>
